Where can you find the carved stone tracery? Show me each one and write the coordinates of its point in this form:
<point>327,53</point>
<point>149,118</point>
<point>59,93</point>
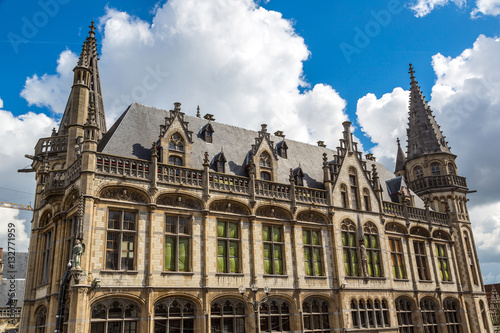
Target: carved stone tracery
<point>274,212</point>
<point>123,194</point>
<point>310,216</point>
<point>229,207</point>
<point>179,201</point>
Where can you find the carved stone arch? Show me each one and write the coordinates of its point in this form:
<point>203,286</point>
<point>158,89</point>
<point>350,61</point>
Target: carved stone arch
<point>395,227</point>
<point>370,228</point>
<point>312,216</point>
<point>440,234</point>
<point>195,300</point>
<point>108,299</point>
<point>318,298</point>
<point>419,231</point>
<point>230,206</point>
<point>179,200</point>
<point>124,193</point>
<point>273,212</point>
<point>290,300</point>
<point>352,170</point>
<point>348,225</point>
<point>45,218</point>
<point>71,200</point>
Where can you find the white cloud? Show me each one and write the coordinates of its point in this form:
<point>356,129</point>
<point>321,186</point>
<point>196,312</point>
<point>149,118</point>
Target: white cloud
<point>486,7</point>
<point>52,90</point>
<point>424,7</point>
<point>233,58</point>
<point>1,103</point>
<point>465,102</point>
<point>10,221</point>
<point>18,136</point>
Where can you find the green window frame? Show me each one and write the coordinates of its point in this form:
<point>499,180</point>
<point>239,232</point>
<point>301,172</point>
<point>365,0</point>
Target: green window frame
<point>272,237</point>
<point>177,243</point>
<point>397,258</point>
<point>372,245</point>
<point>313,252</point>
<point>350,248</point>
<point>443,261</point>
<point>228,247</point>
<point>120,242</point>
<point>421,260</point>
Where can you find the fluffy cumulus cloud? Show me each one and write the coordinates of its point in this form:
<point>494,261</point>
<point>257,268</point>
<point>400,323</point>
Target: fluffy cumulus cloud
<point>424,7</point>
<point>465,100</point>
<point>246,68</point>
<point>486,7</point>
<point>12,222</point>
<point>18,136</point>
<point>52,90</point>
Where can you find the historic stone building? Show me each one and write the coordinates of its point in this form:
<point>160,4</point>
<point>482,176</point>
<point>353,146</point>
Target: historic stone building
<point>165,216</point>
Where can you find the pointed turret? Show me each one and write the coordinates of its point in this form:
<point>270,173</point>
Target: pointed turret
<point>400,161</point>
<point>86,89</point>
<point>424,134</point>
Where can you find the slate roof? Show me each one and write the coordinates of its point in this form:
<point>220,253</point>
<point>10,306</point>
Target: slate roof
<point>19,272</point>
<point>139,126</point>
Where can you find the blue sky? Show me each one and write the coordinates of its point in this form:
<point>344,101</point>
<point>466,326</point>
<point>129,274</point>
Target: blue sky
<point>301,66</point>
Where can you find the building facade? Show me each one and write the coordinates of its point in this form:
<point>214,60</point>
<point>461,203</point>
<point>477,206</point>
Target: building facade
<point>155,225</point>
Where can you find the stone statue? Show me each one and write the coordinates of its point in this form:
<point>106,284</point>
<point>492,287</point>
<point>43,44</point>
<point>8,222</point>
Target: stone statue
<point>78,251</point>
<point>364,260</point>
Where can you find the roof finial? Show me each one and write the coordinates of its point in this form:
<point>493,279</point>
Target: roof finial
<point>92,28</point>
<point>412,73</point>
<point>198,112</point>
<point>398,142</point>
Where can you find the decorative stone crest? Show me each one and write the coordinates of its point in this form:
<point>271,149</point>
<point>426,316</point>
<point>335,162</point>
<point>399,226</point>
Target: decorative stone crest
<point>179,201</point>
<point>310,216</point>
<point>123,195</point>
<point>394,227</point>
<point>274,212</point>
<point>229,207</point>
<point>419,232</point>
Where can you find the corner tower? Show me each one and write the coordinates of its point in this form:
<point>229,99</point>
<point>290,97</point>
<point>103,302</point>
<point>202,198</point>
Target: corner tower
<point>86,91</point>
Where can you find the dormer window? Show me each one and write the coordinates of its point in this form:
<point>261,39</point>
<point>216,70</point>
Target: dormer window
<point>265,160</point>
<point>176,143</point>
<point>298,176</point>
<point>419,172</point>
<point>207,132</point>
<point>435,169</point>
<point>282,149</point>
<point>219,163</point>
<point>264,175</point>
<point>175,160</point>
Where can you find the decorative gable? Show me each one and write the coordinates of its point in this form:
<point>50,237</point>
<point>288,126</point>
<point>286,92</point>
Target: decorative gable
<point>264,137</point>
<point>176,114</point>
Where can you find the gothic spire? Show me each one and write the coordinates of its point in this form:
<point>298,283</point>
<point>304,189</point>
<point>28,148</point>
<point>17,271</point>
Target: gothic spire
<point>424,134</point>
<point>86,77</point>
<point>400,159</point>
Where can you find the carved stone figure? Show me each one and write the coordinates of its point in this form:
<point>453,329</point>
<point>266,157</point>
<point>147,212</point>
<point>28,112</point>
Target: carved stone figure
<point>78,251</point>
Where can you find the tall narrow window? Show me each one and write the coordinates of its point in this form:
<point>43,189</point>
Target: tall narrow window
<point>442,258</point>
<point>343,196</point>
<point>353,181</point>
<point>435,169</point>
<point>366,199</point>
<point>120,244</point>
<point>47,254</point>
<point>470,258</point>
<point>349,244</point>
<point>451,309</point>
<point>227,316</point>
<point>316,316</point>
<point>116,316</point>
<point>421,259</point>
<point>397,258</point>
<point>451,169</point>
<point>228,247</point>
<point>275,316</point>
<point>177,243</point>
<point>419,172</point>
<point>176,143</point>
<point>265,166</point>
<point>372,250</point>
<point>369,314</point>
<point>428,308</point>
<point>41,318</point>
<point>313,252</point>
<point>404,310</point>
<point>273,249</point>
<point>174,315</point>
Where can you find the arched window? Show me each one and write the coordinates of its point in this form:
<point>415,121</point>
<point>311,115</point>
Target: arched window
<point>175,160</point>
<point>315,313</point>
<point>349,244</point>
<point>117,316</point>
<point>343,196</point>
<point>372,314</point>
<point>265,160</point>
<point>174,315</point>
<point>366,199</point>
<point>41,318</point>
<point>176,143</point>
<point>451,308</point>
<point>275,316</point>
<point>451,169</point>
<point>444,265</point>
<point>227,315</point>
<point>353,182</point>
<point>372,246</point>
<point>435,169</point>
<point>404,310</point>
<point>428,309</point>
<point>48,241</point>
<point>419,172</point>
